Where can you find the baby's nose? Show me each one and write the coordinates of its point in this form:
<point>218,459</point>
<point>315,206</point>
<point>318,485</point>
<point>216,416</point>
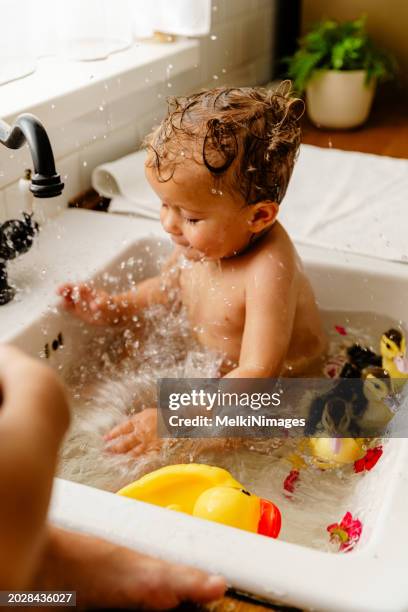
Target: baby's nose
<point>170,222</point>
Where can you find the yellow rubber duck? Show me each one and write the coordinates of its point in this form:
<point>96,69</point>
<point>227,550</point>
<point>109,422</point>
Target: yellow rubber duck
<point>377,389</point>
<point>332,453</point>
<point>393,353</point>
<point>327,453</point>
<point>338,417</point>
<point>206,492</point>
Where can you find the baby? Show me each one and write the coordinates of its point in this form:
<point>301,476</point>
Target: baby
<point>220,163</point>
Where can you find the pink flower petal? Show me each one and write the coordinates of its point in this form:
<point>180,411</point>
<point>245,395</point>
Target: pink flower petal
<point>347,533</point>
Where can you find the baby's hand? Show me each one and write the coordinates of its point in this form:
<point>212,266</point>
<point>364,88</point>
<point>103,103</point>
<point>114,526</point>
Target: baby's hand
<point>91,305</point>
<point>135,436</point>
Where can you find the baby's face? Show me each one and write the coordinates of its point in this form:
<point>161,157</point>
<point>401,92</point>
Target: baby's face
<point>203,221</point>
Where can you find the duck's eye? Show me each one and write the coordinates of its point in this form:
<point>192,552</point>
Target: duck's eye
<point>377,386</point>
<point>245,492</point>
<point>388,345</point>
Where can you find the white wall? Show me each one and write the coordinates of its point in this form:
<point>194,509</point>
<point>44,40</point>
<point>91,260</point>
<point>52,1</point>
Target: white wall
<point>238,51</point>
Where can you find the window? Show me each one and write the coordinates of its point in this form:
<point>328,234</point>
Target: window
<point>82,30</point>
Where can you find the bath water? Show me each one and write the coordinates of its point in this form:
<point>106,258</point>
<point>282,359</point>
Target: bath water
<point>120,378</point>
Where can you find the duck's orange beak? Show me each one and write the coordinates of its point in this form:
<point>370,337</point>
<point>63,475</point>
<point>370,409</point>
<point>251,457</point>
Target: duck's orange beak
<point>270,520</point>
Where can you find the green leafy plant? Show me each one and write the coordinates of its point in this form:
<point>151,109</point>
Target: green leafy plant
<point>339,46</point>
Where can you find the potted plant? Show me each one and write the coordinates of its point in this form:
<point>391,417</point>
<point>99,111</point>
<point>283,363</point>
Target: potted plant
<point>338,65</point>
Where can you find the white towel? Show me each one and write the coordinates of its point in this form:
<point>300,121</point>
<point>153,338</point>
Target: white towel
<point>124,181</point>
<point>336,199</point>
<point>349,201</point>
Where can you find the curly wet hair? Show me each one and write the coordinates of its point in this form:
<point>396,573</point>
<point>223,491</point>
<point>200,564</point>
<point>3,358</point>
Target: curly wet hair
<point>247,136</point>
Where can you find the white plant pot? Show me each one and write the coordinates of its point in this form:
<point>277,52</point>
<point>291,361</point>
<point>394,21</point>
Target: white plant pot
<point>339,98</point>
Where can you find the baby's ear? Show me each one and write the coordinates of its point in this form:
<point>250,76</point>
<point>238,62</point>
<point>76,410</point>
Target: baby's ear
<point>263,214</point>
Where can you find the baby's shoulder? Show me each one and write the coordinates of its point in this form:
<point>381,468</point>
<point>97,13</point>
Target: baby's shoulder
<point>275,251</point>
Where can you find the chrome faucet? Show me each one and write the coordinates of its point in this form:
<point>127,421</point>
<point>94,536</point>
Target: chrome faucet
<point>17,235</point>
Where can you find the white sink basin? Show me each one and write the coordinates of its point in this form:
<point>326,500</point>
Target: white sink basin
<point>74,246</point>
<point>81,245</point>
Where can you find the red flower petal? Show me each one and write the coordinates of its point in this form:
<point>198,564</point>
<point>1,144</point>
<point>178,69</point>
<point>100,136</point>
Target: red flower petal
<point>369,460</point>
<point>341,330</point>
<point>290,481</point>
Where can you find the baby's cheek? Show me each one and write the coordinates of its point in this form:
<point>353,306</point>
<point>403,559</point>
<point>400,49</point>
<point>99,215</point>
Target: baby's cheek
<point>214,239</point>
<point>200,238</point>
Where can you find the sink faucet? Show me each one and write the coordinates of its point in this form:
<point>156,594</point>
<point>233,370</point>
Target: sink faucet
<point>17,235</point>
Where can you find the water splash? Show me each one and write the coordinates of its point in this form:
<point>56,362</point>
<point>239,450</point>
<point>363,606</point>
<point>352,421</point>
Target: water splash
<point>120,379</point>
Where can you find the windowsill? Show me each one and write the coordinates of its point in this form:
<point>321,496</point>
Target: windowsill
<point>61,90</point>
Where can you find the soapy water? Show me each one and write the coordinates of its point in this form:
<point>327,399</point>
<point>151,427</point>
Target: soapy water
<point>121,379</point>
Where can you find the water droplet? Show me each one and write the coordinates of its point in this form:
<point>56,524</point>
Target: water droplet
<point>213,37</point>
<point>101,108</point>
<point>84,163</point>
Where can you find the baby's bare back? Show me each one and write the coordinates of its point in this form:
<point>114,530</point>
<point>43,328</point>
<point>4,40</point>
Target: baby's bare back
<point>216,296</point>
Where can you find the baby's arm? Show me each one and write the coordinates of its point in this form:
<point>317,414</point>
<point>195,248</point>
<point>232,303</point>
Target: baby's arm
<point>100,308</point>
<point>271,295</point>
<point>270,306</point>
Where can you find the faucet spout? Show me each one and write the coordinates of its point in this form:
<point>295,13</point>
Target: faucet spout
<point>16,235</point>
<point>45,182</point>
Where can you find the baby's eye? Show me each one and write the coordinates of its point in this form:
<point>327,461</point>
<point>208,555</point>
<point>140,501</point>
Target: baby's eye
<point>191,220</point>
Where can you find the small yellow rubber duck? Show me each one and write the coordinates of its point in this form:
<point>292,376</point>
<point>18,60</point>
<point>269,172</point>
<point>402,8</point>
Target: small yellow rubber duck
<point>334,452</point>
<point>377,389</point>
<point>327,453</point>
<point>394,359</point>
<point>333,415</point>
<point>206,492</point>
<point>331,453</point>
